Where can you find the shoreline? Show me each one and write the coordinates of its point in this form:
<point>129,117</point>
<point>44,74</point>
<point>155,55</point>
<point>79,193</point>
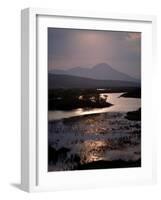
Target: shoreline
<point>132,115</point>
<point>103,164</point>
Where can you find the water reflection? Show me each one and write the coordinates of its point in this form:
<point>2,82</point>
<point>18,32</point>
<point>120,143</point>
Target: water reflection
<point>93,150</point>
<point>120,104</point>
<point>106,150</point>
<point>82,140</point>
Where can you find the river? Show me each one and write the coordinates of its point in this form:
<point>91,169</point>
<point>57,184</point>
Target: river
<point>120,104</point>
<point>80,136</point>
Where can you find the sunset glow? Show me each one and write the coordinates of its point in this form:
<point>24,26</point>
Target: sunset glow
<point>70,48</point>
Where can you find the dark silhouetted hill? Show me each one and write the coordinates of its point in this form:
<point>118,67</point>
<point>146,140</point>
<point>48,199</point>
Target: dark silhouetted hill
<point>67,81</point>
<point>101,71</point>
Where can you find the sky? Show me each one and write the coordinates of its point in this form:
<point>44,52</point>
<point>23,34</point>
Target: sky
<point>68,48</point>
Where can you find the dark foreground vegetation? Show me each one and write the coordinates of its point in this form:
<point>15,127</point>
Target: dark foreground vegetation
<point>103,164</point>
<point>54,155</point>
<point>134,93</point>
<point>60,99</point>
<point>68,99</point>
<point>134,115</point>
<point>61,154</point>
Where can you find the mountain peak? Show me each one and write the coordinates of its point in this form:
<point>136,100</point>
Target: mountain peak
<point>102,65</point>
<point>101,71</point>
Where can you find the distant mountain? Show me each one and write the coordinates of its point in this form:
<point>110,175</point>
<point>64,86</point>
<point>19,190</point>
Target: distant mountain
<point>67,81</point>
<point>101,71</point>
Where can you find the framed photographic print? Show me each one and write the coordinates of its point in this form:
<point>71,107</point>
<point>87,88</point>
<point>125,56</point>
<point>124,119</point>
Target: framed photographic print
<point>86,99</point>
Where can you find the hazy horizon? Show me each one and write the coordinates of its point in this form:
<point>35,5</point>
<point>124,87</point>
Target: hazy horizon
<point>72,48</point>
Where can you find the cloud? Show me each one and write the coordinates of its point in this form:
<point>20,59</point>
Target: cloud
<point>134,36</point>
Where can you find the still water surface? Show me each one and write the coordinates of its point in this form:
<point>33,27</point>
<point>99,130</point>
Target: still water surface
<point>120,104</point>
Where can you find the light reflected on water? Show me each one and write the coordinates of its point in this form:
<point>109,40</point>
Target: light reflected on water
<point>101,150</point>
<point>93,150</point>
<point>107,137</point>
<point>120,104</point>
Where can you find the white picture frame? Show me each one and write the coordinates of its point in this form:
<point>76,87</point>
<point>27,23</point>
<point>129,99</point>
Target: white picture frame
<point>33,84</point>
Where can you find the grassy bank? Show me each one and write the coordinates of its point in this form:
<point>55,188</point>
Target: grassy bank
<point>61,99</point>
<point>68,99</point>
<point>134,115</point>
<point>135,93</point>
<point>102,164</point>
